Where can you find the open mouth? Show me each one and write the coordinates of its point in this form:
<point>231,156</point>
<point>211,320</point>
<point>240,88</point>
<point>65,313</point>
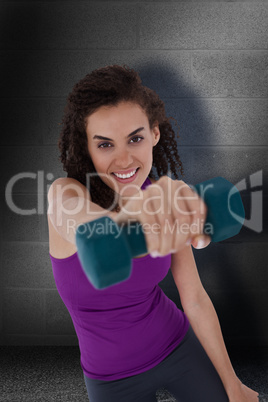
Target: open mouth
<point>126,177</point>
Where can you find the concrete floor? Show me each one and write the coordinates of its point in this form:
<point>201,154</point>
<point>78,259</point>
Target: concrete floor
<point>53,373</point>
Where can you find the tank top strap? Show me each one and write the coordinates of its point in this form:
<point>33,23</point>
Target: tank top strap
<point>146,184</point>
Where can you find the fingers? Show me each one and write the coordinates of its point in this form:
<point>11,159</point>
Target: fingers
<point>170,239</point>
<point>179,215</point>
<point>195,208</point>
<point>201,241</point>
<point>190,211</point>
<point>151,219</point>
<point>172,216</point>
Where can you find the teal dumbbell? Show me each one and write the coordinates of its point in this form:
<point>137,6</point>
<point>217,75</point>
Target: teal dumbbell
<point>106,249</point>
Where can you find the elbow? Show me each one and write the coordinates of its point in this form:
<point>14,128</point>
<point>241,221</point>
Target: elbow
<point>195,302</point>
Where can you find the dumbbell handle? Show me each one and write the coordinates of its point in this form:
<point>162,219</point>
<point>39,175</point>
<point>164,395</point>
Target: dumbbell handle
<point>136,239</point>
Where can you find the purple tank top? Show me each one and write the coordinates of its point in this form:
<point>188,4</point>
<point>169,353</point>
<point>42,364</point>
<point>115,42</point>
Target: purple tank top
<point>127,328</point>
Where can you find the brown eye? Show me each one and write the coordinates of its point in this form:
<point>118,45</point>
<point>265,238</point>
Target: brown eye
<point>104,145</point>
<point>137,139</point>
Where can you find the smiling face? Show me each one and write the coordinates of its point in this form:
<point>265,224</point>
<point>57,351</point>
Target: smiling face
<point>120,143</point>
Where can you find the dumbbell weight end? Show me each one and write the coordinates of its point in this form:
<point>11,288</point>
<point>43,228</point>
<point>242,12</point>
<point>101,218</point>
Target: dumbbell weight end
<point>105,250</point>
<point>225,210</point>
<point>106,255</point>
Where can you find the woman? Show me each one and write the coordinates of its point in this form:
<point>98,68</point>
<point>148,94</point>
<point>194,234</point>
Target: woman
<point>132,338</point>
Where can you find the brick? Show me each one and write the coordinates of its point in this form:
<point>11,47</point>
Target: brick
<point>23,311</point>
<point>187,25</point>
<point>233,74</point>
<point>20,122</point>
<point>233,267</point>
<point>61,340</point>
<point>242,316</point>
<point>51,116</point>
<point>232,163</point>
<point>27,265</point>
<point>45,232</point>
<point>54,167</point>
<point>24,163</point>
<point>256,230</point>
<point>20,25</point>
<point>220,121</point>
<point>23,340</point>
<point>168,73</point>
<point>58,320</point>
<point>31,122</point>
<point>17,226</point>
<point>89,26</point>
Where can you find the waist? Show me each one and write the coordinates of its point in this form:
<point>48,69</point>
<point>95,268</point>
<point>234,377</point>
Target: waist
<point>127,347</point>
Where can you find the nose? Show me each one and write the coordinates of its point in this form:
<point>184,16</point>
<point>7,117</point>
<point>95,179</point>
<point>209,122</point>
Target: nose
<point>123,159</point>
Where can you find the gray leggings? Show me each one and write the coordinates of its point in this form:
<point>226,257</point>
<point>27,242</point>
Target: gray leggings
<point>187,373</point>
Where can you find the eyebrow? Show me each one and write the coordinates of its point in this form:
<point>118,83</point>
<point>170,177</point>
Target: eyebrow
<point>99,137</point>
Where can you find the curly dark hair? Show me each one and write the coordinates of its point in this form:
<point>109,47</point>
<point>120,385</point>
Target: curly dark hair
<point>109,86</point>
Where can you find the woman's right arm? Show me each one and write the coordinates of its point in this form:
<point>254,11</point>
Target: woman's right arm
<point>69,205</point>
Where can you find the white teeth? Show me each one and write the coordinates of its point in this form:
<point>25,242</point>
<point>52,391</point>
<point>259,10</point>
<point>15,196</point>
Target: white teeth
<point>125,176</point>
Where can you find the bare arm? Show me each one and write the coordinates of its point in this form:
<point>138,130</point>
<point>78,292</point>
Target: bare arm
<point>70,205</point>
<point>204,321</point>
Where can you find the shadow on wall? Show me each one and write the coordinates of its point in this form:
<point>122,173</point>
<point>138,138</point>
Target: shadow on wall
<point>239,315</point>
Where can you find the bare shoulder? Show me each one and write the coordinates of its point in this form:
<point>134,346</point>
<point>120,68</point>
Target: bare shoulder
<point>153,181</point>
<point>65,187</point>
<point>61,189</point>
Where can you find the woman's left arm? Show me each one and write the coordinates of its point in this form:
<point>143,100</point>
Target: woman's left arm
<point>204,321</point>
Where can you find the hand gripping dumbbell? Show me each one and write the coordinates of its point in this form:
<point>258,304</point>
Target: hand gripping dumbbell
<point>106,249</point>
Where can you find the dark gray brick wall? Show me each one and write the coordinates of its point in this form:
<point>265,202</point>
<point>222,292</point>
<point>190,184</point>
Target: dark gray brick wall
<point>208,60</point>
